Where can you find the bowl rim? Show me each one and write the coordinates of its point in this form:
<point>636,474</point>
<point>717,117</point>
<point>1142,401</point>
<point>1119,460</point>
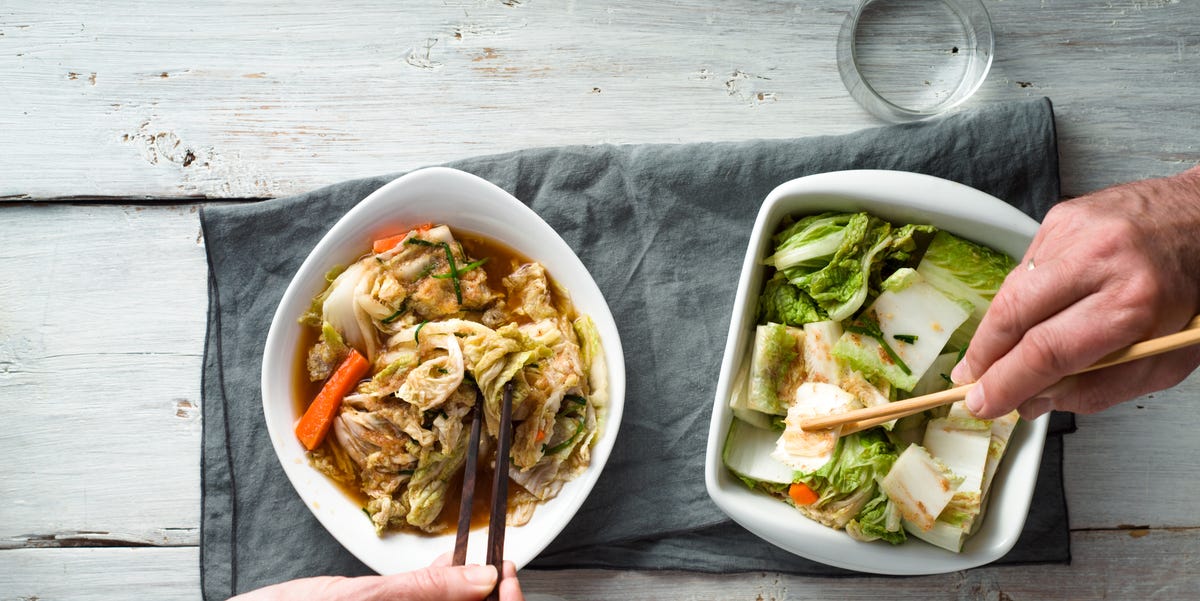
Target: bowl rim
<point>278,407</point>
<point>894,195</point>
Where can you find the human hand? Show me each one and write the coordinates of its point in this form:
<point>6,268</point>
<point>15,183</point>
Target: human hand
<point>1113,268</point>
<point>438,582</point>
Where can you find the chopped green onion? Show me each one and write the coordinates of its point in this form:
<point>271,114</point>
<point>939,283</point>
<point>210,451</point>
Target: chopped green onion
<point>867,327</point>
<point>417,334</point>
<point>907,338</point>
<point>473,265</point>
<point>469,267</point>
<point>566,443</point>
<point>453,275</point>
<point>397,314</point>
<point>574,405</point>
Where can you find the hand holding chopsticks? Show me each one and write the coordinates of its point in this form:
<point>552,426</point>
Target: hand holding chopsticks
<point>499,503</point>
<point>861,419</point>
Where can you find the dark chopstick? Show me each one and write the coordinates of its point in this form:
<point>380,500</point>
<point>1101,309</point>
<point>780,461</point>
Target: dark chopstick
<point>499,517</point>
<point>499,509</point>
<point>468,485</point>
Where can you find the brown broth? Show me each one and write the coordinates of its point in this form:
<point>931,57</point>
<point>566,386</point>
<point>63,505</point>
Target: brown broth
<point>305,389</point>
<point>502,261</point>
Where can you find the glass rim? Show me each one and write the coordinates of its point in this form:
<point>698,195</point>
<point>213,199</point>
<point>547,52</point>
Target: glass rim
<point>866,95</point>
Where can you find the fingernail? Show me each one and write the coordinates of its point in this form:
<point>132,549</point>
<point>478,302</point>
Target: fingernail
<point>480,575</point>
<point>975,399</point>
<point>961,374</point>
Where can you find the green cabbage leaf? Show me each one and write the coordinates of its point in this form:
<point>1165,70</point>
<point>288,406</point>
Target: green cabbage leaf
<point>965,271</point>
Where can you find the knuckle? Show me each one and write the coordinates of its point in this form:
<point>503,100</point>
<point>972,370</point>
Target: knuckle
<point>1122,231</point>
<point>1131,311</point>
<point>1108,249</point>
<point>428,581</point>
<point>1042,354</point>
<point>1064,212</point>
<point>1147,290</point>
<point>1003,316</point>
<point>1125,322</point>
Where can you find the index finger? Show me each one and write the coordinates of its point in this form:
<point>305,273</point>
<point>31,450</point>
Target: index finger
<point>1027,298</point>
<point>510,588</point>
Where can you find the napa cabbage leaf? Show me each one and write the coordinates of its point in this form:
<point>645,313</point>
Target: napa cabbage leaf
<point>967,271</point>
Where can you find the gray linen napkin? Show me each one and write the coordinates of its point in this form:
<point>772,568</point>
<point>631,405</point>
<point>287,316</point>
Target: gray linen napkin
<point>662,228</point>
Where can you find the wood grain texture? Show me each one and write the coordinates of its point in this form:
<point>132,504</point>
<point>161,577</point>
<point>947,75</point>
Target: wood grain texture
<point>228,99</point>
<point>1105,565</point>
<point>104,304</point>
<point>100,355</point>
<point>1113,564</point>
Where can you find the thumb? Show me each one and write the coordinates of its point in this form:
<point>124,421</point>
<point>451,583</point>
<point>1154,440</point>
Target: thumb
<point>441,583</point>
<point>459,583</point>
<point>435,583</point>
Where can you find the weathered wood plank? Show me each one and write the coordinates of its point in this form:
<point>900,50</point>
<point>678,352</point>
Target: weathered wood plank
<point>1105,565</point>
<point>100,574</point>
<point>225,99</point>
<point>1127,466</point>
<point>100,356</point>
<point>1113,564</point>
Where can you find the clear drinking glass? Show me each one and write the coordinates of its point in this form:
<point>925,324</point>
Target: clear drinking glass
<point>910,59</point>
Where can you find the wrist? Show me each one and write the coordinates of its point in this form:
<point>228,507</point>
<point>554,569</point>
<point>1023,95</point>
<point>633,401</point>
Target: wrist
<point>1183,212</point>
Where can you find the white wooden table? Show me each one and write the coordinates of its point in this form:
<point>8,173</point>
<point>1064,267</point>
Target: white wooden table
<point>118,119</point>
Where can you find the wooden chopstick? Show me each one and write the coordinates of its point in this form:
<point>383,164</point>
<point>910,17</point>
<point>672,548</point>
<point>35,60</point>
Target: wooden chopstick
<point>497,521</point>
<point>468,486</point>
<point>1189,335</point>
<point>861,419</point>
<point>859,422</point>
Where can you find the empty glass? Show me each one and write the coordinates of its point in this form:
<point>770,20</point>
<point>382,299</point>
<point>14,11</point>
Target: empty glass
<point>910,59</point>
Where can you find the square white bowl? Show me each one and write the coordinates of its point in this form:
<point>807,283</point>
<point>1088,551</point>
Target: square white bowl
<point>470,204</point>
<point>900,197</point>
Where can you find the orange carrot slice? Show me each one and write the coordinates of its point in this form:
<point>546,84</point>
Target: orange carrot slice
<point>383,245</point>
<point>801,494</point>
<point>312,428</point>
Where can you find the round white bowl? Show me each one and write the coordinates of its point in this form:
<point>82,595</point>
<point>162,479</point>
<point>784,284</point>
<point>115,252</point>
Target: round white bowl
<point>466,203</point>
<point>902,198</point>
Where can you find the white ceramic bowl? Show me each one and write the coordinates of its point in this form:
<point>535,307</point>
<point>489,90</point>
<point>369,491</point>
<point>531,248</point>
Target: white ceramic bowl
<point>902,198</point>
<point>466,203</point>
